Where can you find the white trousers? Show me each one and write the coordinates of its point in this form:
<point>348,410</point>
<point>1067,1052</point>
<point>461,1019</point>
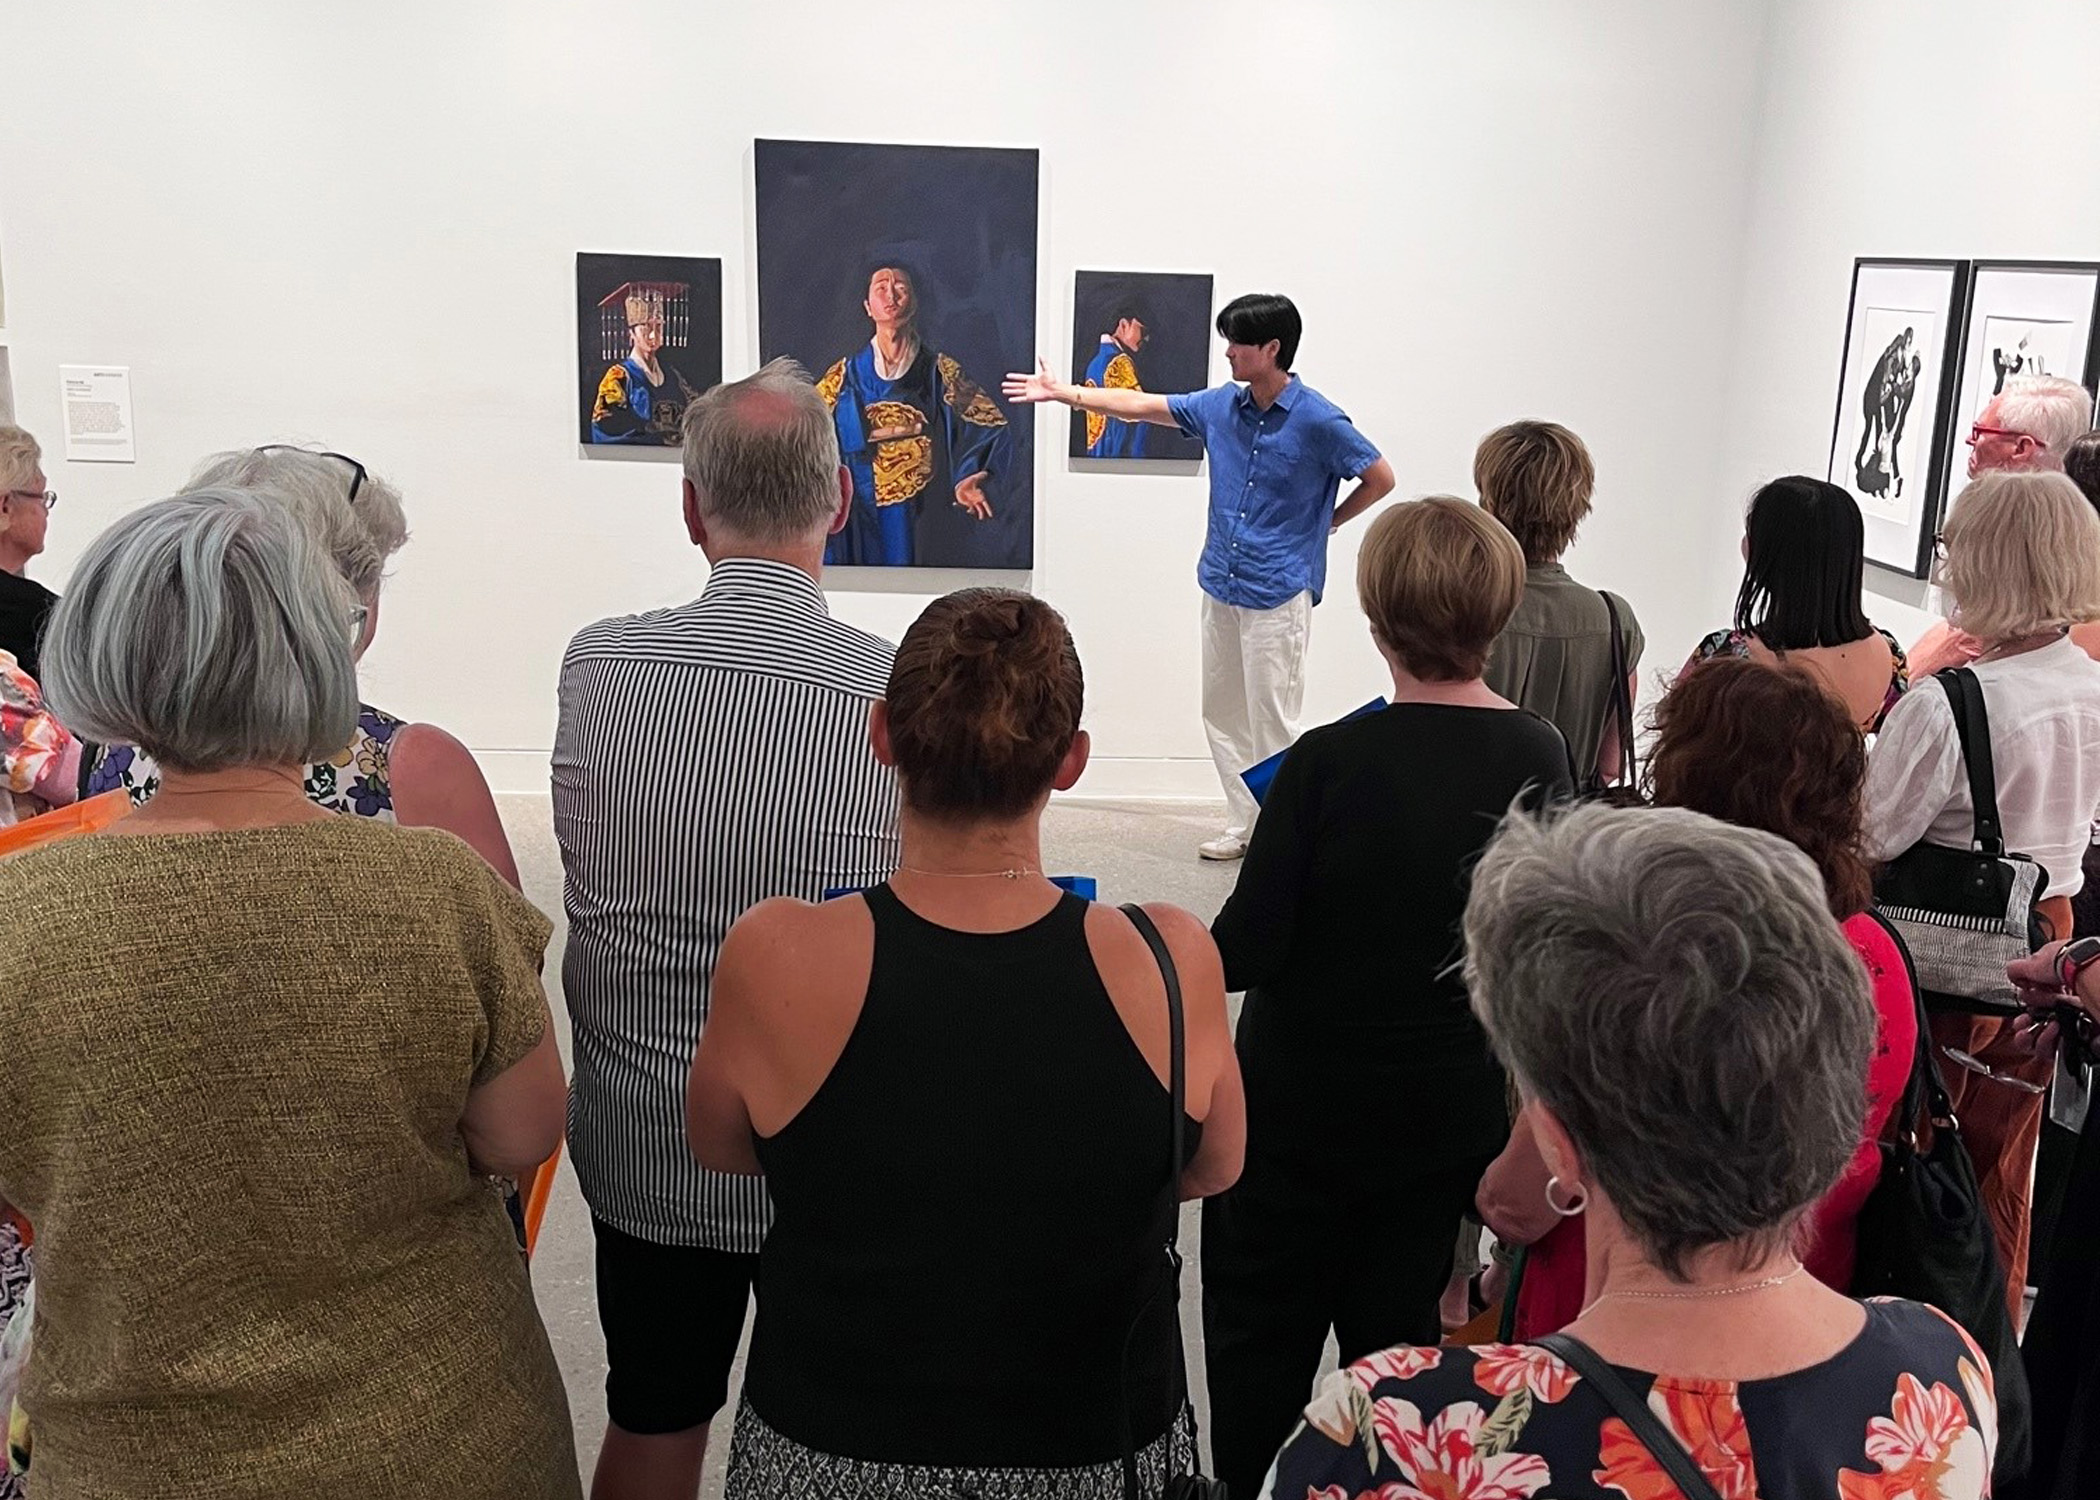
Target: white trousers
<point>1253,688</point>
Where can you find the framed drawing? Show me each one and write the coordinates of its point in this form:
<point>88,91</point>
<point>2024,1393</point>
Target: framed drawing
<point>2024,318</point>
<point>1889,447</point>
<point>648,341</point>
<point>903,277</point>
<point>1138,330</point>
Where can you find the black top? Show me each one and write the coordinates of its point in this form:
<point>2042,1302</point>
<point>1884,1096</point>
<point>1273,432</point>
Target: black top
<point>1343,930</point>
<point>970,1212</point>
<point>25,606</point>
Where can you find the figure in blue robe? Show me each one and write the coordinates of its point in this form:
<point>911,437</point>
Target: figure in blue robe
<point>1113,368</point>
<point>630,409</point>
<point>909,443</point>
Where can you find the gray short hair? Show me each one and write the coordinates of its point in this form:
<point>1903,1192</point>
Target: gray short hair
<point>763,455</point>
<point>1675,990</point>
<point>2049,409</point>
<point>210,631</point>
<point>358,536</point>
<point>19,457</point>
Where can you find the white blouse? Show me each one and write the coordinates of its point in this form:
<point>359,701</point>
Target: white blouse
<point>2044,709</point>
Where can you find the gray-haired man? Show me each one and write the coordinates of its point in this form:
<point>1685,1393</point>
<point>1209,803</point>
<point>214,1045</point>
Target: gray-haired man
<point>709,756</point>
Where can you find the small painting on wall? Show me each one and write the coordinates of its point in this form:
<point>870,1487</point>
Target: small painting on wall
<point>1138,330</point>
<point>648,341</point>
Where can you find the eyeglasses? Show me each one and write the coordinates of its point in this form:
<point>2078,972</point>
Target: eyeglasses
<point>357,470</point>
<point>48,498</point>
<point>1979,432</point>
<point>359,617</point>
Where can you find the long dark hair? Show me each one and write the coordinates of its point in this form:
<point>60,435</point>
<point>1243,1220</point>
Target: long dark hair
<point>1801,581</point>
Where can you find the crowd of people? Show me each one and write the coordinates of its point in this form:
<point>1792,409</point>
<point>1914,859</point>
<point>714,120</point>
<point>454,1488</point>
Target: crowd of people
<point>843,1048</point>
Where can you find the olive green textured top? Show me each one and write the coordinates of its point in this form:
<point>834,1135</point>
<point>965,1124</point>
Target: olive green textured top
<point>235,1065</point>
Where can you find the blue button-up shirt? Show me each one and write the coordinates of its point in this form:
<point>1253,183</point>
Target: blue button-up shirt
<point>1273,479</point>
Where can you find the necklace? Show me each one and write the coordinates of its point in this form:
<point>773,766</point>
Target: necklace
<point>1720,1291</point>
<point>1021,874</point>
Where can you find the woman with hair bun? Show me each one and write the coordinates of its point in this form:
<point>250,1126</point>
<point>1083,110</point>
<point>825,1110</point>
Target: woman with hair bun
<point>955,1085</point>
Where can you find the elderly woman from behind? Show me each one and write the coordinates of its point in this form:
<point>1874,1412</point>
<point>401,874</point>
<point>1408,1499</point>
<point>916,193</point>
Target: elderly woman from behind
<point>1342,930</point>
<point>1609,953</point>
<point>397,772</point>
<point>326,1301</point>
<point>1762,746</point>
<point>2022,566</point>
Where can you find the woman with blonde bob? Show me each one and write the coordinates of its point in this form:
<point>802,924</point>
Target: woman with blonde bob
<point>1373,1100</point>
<point>2022,565</point>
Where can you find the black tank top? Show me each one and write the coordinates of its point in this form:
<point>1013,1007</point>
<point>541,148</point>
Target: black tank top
<point>970,1213</point>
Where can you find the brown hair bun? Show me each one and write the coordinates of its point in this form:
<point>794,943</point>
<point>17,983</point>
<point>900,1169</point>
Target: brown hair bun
<point>984,700</point>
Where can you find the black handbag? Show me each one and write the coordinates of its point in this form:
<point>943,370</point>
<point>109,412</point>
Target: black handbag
<point>1645,1425</point>
<point>1191,1486</point>
<point>1923,1234</point>
<point>1966,913</point>
<point>1624,789</point>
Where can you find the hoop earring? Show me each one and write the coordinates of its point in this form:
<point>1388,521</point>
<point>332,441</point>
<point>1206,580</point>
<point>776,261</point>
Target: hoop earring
<point>1582,1200</point>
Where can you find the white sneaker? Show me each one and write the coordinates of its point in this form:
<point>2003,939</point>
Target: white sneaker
<point>1224,846</point>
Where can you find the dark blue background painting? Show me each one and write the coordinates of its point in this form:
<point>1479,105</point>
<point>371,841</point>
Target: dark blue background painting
<point>700,362</point>
<point>1178,335</point>
<point>963,219</point>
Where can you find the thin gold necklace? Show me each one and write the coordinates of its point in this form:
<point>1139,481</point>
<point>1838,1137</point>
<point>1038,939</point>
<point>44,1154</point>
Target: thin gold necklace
<point>1720,1291</point>
<point>1021,874</point>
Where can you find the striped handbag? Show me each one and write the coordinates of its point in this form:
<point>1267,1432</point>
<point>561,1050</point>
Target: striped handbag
<point>1966,913</point>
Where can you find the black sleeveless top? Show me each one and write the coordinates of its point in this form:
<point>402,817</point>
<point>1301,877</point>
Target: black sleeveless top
<point>970,1213</point>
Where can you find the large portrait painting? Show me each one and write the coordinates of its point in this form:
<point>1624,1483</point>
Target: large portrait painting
<point>1138,330</point>
<point>1893,393</point>
<point>904,279</point>
<point>648,340</point>
<point>2025,318</point>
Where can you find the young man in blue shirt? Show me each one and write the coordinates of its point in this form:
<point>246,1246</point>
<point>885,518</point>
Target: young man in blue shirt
<point>1279,451</point>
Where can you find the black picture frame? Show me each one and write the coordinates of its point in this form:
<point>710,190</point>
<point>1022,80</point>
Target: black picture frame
<point>1973,310</point>
<point>1902,545</point>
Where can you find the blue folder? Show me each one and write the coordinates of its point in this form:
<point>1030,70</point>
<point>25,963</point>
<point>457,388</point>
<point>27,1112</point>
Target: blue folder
<point>1260,778</point>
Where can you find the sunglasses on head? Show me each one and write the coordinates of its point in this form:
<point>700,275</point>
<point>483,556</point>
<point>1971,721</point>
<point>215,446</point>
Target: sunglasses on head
<point>357,470</point>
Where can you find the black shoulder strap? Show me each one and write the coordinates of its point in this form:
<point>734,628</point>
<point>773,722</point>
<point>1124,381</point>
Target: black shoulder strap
<point>1177,1046</point>
<point>1177,1090</point>
<point>1972,726</point>
<point>1634,1412</point>
<point>1621,701</point>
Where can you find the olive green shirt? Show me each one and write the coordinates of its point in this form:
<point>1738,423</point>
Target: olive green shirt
<point>1554,658</point>
<point>235,1070</point>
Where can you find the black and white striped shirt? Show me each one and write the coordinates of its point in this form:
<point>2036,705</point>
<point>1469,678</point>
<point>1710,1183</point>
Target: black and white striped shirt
<point>708,757</point>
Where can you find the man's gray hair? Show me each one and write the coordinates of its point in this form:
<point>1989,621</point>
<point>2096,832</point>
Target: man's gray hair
<point>763,456</point>
<point>1675,990</point>
<point>358,535</point>
<point>20,457</point>
<point>2048,408</point>
<point>210,631</point>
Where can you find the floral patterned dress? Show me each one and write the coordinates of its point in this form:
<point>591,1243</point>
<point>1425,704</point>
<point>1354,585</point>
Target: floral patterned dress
<point>1737,643</point>
<point>359,781</point>
<point>1904,1412</point>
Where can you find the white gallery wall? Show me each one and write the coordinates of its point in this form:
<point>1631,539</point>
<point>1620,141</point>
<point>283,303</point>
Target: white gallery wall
<point>357,226</point>
<point>1897,128</point>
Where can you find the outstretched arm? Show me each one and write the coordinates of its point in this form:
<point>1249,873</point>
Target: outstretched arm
<point>1129,406</point>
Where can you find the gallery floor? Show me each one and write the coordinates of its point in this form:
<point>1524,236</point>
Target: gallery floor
<point>1136,852</point>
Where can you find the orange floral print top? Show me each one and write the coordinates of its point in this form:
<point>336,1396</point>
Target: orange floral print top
<point>1904,1412</point>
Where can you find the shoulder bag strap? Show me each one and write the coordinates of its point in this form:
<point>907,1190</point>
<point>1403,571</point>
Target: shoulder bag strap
<point>1925,1094</point>
<point>1972,726</point>
<point>1621,701</point>
<point>1635,1413</point>
<point>1177,1089</point>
